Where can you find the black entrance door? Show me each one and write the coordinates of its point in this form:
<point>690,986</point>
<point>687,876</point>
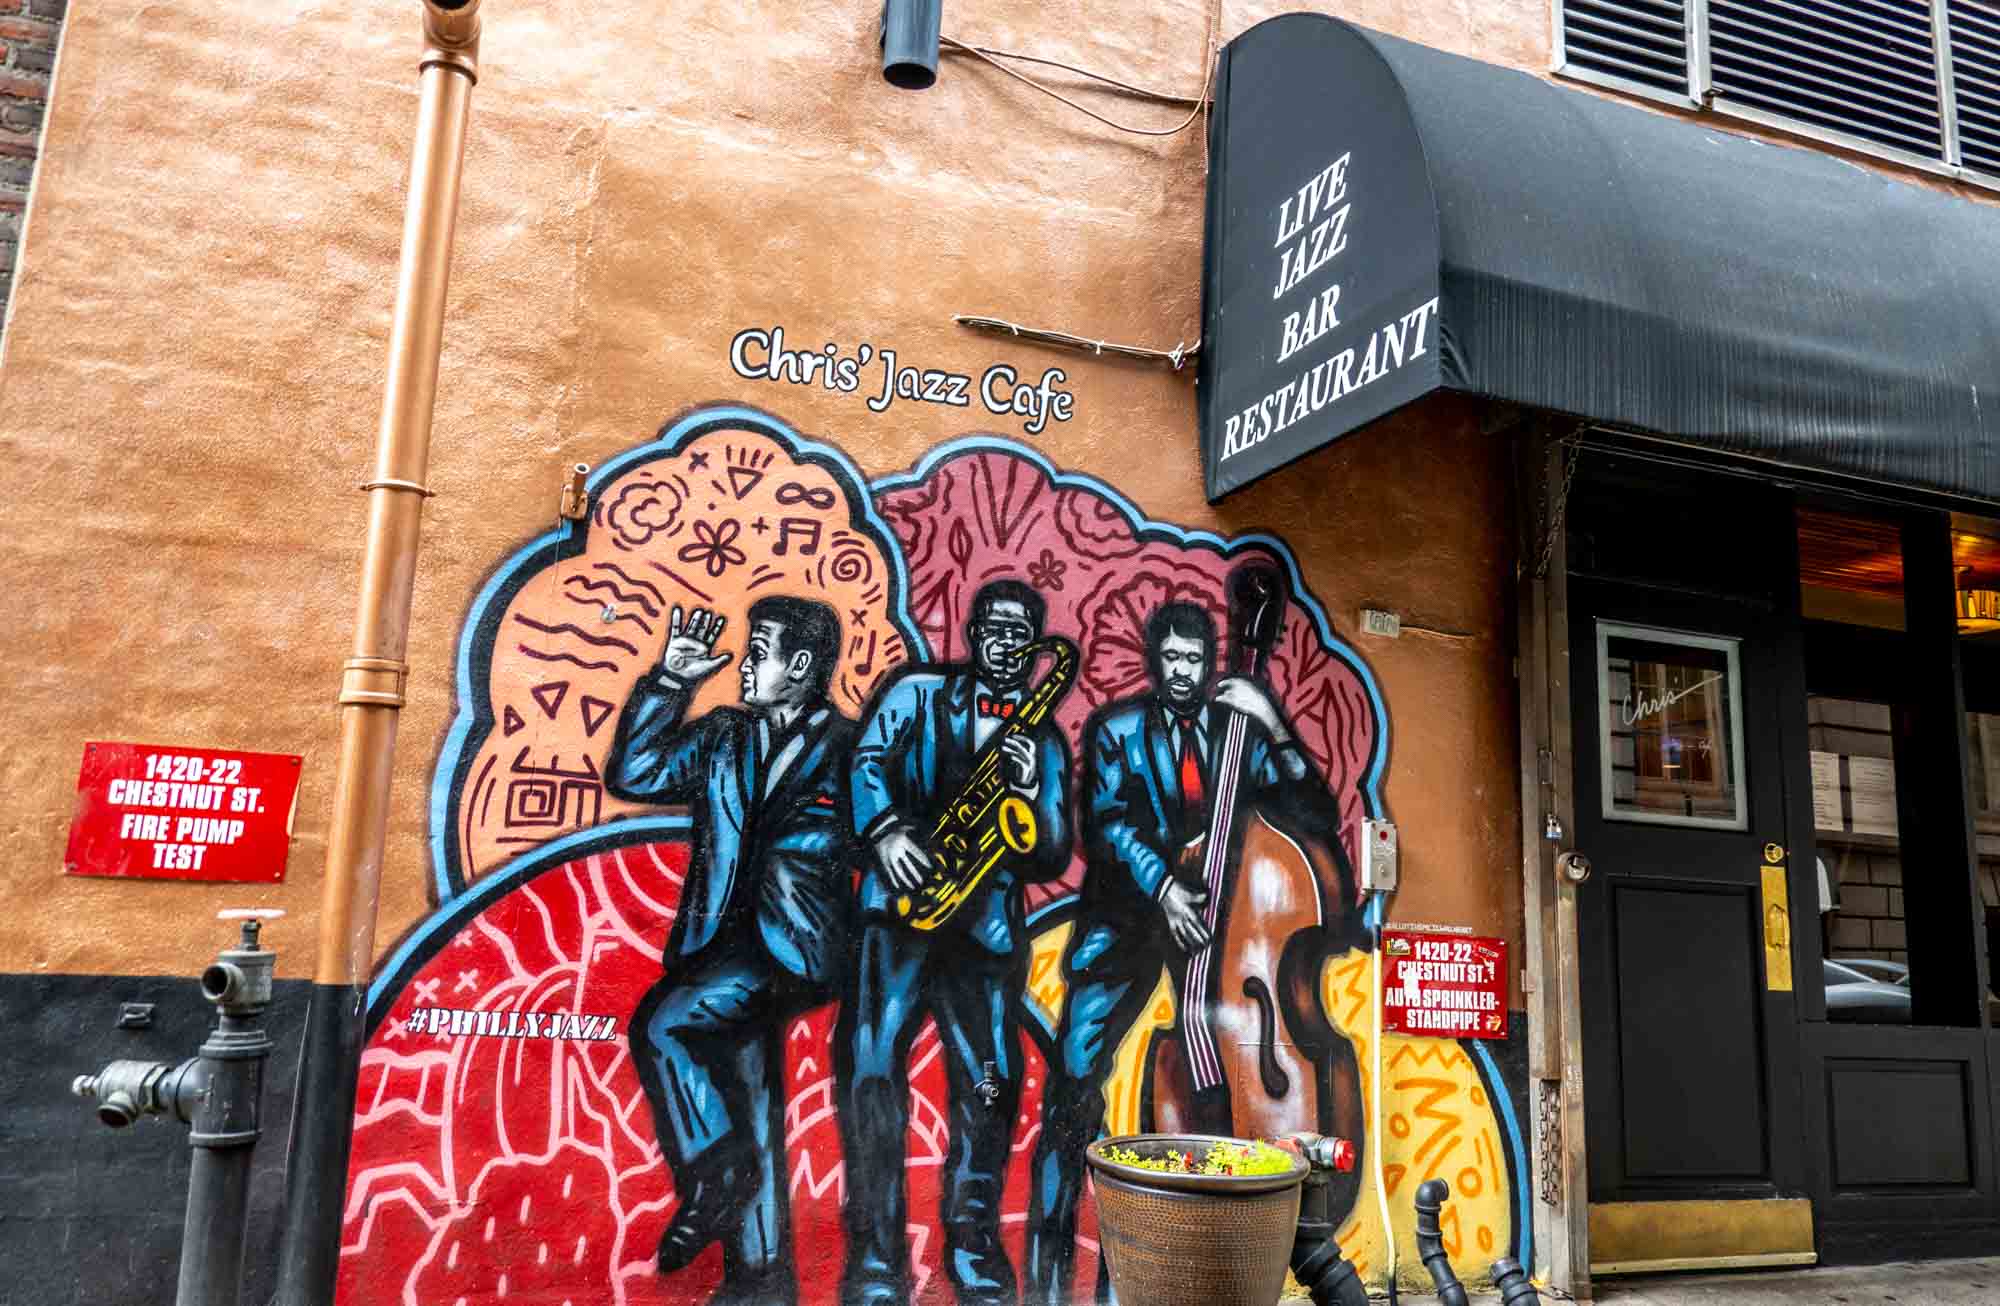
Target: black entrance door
<point>1683,659</point>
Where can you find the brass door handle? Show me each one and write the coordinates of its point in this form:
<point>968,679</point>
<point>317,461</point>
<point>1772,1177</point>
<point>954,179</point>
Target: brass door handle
<point>1777,926</point>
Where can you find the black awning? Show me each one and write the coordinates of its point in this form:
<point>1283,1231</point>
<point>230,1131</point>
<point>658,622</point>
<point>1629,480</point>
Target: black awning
<point>1598,259</point>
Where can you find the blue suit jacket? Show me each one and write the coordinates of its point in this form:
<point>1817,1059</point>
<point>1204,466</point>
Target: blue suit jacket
<point>912,755</point>
<point>1135,821</point>
<point>771,868</point>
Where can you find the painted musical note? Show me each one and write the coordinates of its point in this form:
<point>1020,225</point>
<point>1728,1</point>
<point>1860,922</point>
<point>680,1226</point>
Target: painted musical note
<point>807,529</point>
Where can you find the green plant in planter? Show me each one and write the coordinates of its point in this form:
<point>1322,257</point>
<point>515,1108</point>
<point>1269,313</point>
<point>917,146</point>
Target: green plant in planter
<point>1224,1158</point>
<point>1195,1220</point>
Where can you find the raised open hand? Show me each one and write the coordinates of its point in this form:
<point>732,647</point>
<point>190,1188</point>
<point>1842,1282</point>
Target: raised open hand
<point>690,655</point>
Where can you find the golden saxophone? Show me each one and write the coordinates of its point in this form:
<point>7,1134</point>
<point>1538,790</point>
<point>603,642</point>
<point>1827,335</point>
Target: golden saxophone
<point>986,820</point>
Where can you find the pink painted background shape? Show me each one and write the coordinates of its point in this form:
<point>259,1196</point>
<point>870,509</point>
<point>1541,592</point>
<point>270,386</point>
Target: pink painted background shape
<point>983,515</point>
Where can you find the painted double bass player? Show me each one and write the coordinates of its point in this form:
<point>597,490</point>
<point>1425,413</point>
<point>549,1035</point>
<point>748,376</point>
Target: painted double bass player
<point>1211,847</point>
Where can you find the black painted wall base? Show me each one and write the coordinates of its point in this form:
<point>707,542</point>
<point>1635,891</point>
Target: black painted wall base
<point>93,1215</point>
<point>1879,1243</point>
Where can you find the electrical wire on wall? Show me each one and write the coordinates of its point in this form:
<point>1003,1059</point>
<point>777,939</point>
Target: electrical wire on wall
<point>993,57</point>
<point>1198,106</point>
<point>1180,355</point>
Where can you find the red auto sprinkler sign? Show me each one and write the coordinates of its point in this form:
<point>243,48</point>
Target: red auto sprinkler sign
<point>1444,985</point>
<point>172,813</point>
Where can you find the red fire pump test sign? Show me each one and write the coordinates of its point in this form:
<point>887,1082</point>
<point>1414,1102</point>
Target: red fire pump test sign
<point>170,813</point>
<point>1444,985</point>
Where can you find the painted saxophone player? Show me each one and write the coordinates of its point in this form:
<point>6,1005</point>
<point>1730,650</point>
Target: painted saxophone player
<point>951,764</point>
<point>762,927</point>
<point>1163,775</point>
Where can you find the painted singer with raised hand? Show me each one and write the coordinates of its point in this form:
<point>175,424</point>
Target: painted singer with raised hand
<point>761,931</point>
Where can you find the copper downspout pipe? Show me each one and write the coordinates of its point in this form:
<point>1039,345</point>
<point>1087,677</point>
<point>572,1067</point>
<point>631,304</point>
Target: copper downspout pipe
<point>371,690</point>
<point>372,680</point>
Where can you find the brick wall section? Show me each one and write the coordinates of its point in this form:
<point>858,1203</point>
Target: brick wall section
<point>1870,920</point>
<point>28,31</point>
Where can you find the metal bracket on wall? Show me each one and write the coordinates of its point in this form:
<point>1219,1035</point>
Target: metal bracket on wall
<point>575,502</point>
<point>391,483</point>
<point>135,1015</point>
<point>1550,517</point>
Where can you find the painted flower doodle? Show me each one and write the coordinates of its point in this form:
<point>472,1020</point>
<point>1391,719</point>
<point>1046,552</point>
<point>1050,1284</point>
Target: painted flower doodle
<point>1046,572</point>
<point>714,547</point>
<point>1092,525</point>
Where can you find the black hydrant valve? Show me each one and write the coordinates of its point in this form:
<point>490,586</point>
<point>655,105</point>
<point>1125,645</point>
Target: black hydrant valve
<point>1327,1276</point>
<point>218,1093</point>
<point>239,984</point>
<point>126,1090</point>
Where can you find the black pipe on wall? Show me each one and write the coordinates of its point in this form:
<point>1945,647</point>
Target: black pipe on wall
<point>1432,1194</point>
<point>910,42</point>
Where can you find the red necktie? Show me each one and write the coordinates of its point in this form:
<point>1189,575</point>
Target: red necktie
<point>1191,793</point>
<point>1000,707</point>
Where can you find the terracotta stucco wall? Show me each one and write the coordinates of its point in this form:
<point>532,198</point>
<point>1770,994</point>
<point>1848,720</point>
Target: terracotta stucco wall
<point>190,388</point>
<point>193,369</point>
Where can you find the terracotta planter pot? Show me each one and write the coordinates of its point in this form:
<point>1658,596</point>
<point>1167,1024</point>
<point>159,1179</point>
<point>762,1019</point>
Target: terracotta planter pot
<point>1193,1239</point>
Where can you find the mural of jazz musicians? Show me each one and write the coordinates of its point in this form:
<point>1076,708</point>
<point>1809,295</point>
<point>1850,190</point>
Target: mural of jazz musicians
<point>718,1004</point>
<point>763,931</point>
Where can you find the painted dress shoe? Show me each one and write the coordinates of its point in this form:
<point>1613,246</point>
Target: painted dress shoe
<point>707,1203</point>
<point>979,1270</point>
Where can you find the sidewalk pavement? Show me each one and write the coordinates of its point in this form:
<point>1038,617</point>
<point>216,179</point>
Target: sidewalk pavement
<point>1930,1283</point>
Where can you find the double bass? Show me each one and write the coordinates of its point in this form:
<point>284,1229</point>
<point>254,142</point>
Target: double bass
<point>1257,1056</point>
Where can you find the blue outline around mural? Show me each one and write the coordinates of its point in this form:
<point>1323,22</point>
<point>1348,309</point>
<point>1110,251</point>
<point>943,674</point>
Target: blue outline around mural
<point>458,902</point>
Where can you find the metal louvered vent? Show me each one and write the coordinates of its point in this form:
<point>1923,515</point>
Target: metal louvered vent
<point>1975,77</point>
<point>1643,42</point>
<point>1864,68</point>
